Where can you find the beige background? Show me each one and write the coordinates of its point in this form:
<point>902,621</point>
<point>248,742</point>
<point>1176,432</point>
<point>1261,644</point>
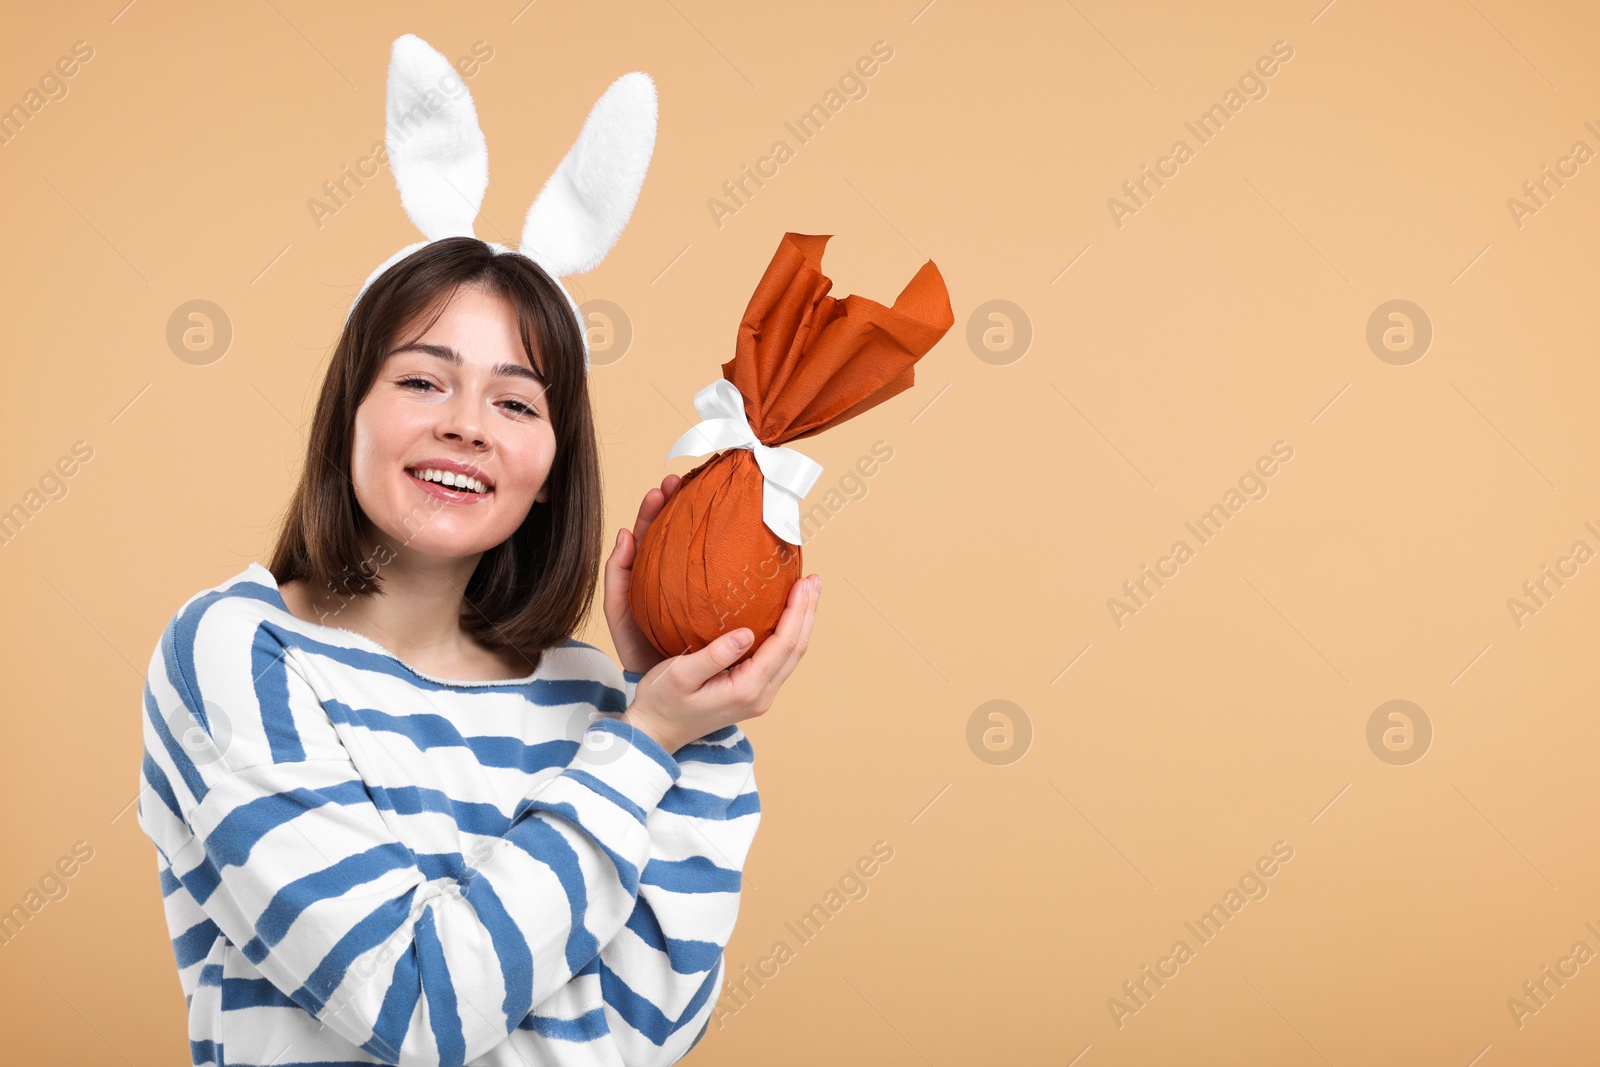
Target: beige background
<point>1228,313</point>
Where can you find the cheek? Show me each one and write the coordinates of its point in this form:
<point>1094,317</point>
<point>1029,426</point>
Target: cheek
<point>528,460</point>
<point>376,448</point>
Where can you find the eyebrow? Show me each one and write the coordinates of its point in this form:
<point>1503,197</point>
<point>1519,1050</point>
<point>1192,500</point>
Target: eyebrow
<point>451,356</point>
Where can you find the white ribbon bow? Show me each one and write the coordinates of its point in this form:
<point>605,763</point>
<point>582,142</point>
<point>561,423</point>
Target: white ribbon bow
<point>787,475</point>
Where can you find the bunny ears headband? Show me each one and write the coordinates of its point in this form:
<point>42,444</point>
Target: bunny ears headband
<point>440,164</point>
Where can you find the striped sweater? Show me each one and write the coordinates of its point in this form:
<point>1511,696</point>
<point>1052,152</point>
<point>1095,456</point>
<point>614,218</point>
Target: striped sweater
<point>363,863</point>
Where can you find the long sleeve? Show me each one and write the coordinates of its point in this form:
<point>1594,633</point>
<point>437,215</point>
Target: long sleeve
<point>661,975</point>
<point>256,804</point>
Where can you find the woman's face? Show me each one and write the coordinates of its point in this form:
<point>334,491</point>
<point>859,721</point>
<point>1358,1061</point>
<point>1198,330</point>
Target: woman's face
<point>464,392</point>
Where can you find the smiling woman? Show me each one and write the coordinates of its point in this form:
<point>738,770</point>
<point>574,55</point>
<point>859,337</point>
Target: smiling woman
<point>483,379</point>
<point>446,830</point>
<point>435,806</point>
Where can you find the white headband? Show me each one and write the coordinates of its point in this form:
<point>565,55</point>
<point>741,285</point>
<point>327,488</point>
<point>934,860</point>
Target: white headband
<point>440,163</point>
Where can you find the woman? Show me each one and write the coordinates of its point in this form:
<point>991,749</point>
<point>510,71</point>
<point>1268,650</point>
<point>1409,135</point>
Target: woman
<point>401,815</point>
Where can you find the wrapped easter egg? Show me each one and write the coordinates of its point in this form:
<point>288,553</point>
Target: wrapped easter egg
<point>725,550</point>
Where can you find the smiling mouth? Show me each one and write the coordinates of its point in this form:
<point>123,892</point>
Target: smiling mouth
<point>451,481</point>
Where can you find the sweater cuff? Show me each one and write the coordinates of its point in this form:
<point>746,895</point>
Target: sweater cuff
<point>628,761</point>
<point>630,686</point>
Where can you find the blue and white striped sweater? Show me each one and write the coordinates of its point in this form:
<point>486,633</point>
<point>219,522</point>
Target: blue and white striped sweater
<point>362,863</point>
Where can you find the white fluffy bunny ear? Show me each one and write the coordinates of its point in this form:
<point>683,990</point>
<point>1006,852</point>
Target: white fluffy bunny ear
<point>436,149</point>
<point>580,212</point>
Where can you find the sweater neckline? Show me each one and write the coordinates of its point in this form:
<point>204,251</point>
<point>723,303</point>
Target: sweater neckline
<point>266,578</point>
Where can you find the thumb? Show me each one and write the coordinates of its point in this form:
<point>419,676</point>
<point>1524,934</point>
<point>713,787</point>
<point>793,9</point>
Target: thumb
<point>622,552</point>
<point>619,570</point>
<point>697,667</point>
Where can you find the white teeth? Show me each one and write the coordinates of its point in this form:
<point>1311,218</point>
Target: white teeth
<point>451,479</point>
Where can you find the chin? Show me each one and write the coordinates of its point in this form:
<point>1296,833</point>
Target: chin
<point>428,535</point>
<point>449,544</point>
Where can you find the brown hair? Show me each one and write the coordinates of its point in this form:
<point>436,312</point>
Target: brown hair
<point>532,591</point>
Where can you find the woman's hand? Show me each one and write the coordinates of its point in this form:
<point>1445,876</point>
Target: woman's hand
<point>633,648</point>
<point>686,697</point>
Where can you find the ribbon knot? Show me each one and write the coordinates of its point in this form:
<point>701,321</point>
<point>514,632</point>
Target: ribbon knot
<point>787,475</point>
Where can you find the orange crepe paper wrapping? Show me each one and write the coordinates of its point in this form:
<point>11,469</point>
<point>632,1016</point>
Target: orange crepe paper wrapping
<point>804,361</point>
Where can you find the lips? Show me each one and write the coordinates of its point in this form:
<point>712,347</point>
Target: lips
<point>454,466</point>
<point>447,493</point>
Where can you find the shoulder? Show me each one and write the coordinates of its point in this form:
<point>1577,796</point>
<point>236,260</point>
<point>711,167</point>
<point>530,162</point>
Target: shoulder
<point>243,599</point>
<point>575,671</point>
<point>216,624</point>
<point>222,665</point>
<point>574,659</point>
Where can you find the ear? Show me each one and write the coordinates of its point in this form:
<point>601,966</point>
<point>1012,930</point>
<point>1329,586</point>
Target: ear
<point>436,150</point>
<point>580,212</point>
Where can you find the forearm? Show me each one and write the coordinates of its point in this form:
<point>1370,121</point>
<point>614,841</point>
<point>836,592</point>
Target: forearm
<point>661,973</point>
<point>450,965</point>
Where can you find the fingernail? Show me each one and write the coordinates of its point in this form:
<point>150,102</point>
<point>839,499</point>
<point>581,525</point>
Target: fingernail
<point>620,535</point>
<point>741,639</point>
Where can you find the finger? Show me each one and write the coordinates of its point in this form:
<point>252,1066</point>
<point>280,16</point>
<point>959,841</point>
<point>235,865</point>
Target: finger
<point>623,550</point>
<point>769,690</point>
<point>751,675</point>
<point>620,562</point>
<point>621,558</point>
<point>649,508</point>
<point>805,635</point>
<point>619,569</point>
<point>652,504</point>
<point>696,668</point>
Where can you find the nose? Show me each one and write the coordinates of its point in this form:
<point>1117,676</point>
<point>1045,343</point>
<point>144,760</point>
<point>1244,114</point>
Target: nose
<point>459,422</point>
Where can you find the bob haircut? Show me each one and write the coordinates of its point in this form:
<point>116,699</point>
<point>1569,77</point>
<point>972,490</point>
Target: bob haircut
<point>534,590</point>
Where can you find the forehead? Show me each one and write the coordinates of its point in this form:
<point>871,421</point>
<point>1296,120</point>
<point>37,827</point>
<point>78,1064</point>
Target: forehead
<point>478,324</point>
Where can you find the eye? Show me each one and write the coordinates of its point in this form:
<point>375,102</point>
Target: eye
<point>420,385</point>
